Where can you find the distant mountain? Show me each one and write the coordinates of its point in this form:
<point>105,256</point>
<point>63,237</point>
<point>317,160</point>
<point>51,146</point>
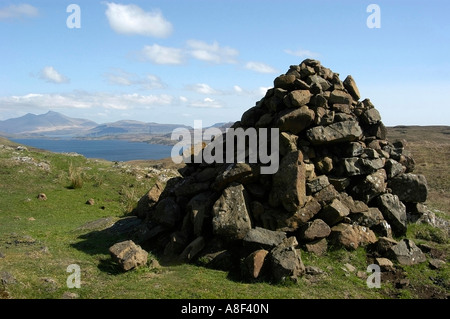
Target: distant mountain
<point>48,124</point>
<point>54,124</point>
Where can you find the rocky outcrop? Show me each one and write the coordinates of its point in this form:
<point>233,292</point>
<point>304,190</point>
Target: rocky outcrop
<point>339,183</point>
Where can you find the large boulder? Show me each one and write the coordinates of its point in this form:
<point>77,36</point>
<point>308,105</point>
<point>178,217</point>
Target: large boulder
<point>351,236</point>
<point>285,260</point>
<point>253,264</point>
<point>261,238</point>
<point>128,255</point>
<point>409,187</point>
<point>289,183</point>
<point>394,211</point>
<point>231,219</point>
<point>316,229</point>
<point>406,253</point>
<point>347,131</point>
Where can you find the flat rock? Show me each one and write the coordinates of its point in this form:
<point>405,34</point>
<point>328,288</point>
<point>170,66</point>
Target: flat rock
<point>347,131</point>
<point>261,238</point>
<point>407,253</point>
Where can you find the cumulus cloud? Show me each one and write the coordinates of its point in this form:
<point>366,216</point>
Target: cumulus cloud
<point>161,55</point>
<point>302,53</point>
<point>124,78</point>
<point>18,11</point>
<point>260,67</point>
<point>131,19</point>
<point>212,53</point>
<point>84,100</point>
<point>51,75</point>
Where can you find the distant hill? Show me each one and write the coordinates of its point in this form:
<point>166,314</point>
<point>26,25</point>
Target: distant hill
<point>48,124</point>
<point>56,125</point>
<point>132,128</point>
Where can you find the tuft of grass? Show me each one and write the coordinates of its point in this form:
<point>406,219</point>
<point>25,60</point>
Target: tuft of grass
<point>75,177</point>
<point>428,233</point>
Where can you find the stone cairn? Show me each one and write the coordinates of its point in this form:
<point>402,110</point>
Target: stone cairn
<point>340,184</point>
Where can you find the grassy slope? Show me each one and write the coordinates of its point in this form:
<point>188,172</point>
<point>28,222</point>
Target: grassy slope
<point>39,239</point>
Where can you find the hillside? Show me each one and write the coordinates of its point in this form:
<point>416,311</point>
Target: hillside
<point>41,238</point>
<point>49,124</point>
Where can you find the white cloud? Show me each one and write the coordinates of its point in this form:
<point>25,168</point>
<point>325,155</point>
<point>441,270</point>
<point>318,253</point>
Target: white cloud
<point>124,78</point>
<point>212,53</point>
<point>238,89</point>
<point>162,55</point>
<point>302,53</point>
<point>18,11</point>
<point>260,67</point>
<point>50,74</point>
<point>84,100</point>
<point>131,19</point>
<point>183,99</point>
<point>206,103</point>
<point>203,88</point>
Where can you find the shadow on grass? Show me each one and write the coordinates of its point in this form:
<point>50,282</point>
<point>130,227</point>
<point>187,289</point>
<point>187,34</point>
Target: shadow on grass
<point>98,241</point>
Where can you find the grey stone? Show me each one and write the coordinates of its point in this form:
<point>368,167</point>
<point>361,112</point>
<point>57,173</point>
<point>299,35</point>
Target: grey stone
<point>288,143</point>
<point>261,238</point>
<point>393,168</point>
<point>333,213</point>
<point>369,218</point>
<point>318,247</point>
<point>313,230</point>
<point>362,166</point>
<point>340,97</point>
<point>372,186</point>
<point>295,121</point>
<point>436,263</point>
<point>149,200</point>
<point>198,209</point>
<point>409,187</point>
<point>407,253</point>
<point>350,86</point>
<point>167,212</point>
<point>394,211</point>
<point>288,186</point>
<point>235,172</point>
<point>371,116</point>
<point>299,98</point>
<point>317,184</point>
<point>231,219</point>
<point>347,131</point>
<point>285,261</point>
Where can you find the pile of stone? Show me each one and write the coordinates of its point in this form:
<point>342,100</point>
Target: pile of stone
<point>340,183</point>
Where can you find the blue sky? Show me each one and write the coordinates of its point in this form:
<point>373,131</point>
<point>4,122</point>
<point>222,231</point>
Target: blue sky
<point>176,61</point>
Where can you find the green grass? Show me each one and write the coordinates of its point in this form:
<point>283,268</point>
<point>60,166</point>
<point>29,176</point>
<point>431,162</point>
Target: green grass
<point>40,239</point>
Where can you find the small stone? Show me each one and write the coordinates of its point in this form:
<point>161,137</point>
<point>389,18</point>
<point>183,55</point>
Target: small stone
<point>385,264</point>
<point>42,196</point>
<point>154,264</point>
<point>350,267</point>
<point>69,295</point>
<point>90,201</point>
<point>313,270</point>
<point>436,263</point>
